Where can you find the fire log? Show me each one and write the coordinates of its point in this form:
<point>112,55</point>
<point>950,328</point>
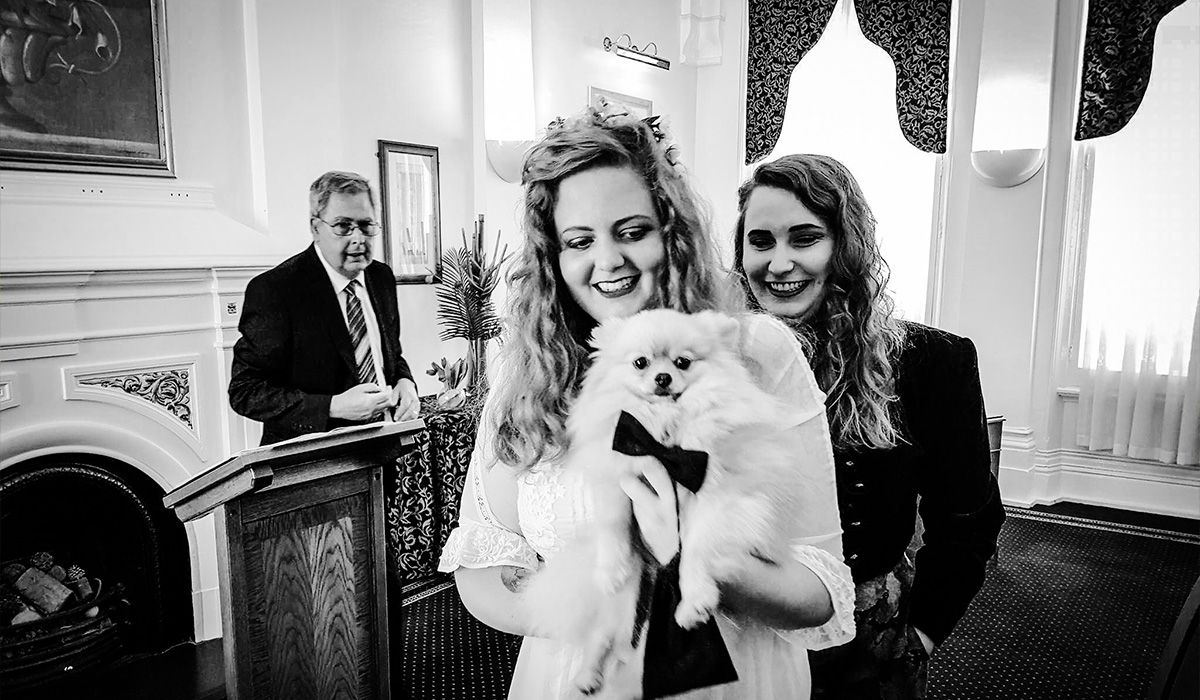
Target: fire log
<point>41,589</point>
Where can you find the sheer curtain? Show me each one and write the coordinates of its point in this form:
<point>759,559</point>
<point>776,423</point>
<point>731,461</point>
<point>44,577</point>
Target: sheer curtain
<point>1140,336</point>
<point>1136,410</point>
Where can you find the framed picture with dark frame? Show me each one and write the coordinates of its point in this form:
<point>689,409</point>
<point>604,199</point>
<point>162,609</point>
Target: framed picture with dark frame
<point>411,202</point>
<point>84,90</point>
<point>637,107</point>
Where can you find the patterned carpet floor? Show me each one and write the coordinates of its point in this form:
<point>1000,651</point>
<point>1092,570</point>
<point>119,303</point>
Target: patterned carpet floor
<point>445,653</point>
<point>1074,609</point>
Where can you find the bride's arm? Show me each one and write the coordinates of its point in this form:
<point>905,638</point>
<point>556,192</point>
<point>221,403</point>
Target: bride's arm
<point>487,552</point>
<point>788,594</point>
<point>492,593</point>
<point>808,596</point>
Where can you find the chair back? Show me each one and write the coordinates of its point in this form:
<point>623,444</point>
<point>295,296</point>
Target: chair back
<point>1178,674</point>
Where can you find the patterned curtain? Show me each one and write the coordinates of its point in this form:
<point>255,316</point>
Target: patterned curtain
<point>915,33</point>
<point>1117,52</point>
<point>781,32</point>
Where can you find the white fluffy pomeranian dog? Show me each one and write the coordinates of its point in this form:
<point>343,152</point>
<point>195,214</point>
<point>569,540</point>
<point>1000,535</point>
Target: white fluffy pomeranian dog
<point>682,377</point>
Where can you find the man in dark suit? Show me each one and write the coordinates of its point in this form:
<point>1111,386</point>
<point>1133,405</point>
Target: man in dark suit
<point>320,332</point>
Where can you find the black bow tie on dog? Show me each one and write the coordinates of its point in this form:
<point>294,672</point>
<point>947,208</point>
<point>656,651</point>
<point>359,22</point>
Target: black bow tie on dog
<point>676,660</point>
<point>687,467</point>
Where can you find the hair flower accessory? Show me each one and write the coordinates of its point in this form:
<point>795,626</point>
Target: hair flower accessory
<point>670,149</point>
<point>607,113</point>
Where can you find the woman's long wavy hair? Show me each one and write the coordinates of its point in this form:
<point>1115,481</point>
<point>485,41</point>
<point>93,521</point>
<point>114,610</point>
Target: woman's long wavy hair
<point>545,351</point>
<point>853,339</point>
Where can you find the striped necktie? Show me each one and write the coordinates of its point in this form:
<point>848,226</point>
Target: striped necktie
<point>358,335</point>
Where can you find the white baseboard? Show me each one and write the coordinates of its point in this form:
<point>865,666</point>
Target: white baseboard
<point>1029,476</point>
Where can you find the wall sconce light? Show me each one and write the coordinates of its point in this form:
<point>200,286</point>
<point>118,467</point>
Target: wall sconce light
<point>631,51</point>
<point>507,158</point>
<point>1008,168</point>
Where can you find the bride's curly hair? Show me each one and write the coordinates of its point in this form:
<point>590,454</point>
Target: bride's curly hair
<point>854,339</point>
<point>545,351</point>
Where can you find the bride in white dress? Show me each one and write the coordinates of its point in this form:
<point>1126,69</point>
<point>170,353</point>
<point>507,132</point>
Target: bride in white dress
<point>612,229</point>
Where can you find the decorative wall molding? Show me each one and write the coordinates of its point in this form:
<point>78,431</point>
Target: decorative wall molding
<point>64,346</point>
<point>169,389</point>
<point>161,389</point>
<point>22,288</point>
<point>48,287</point>
<point>1029,476</point>
<point>51,313</point>
<point>66,189</point>
<point>10,392</point>
<point>107,334</point>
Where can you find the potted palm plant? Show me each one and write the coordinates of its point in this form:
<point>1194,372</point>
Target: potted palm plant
<point>464,304</point>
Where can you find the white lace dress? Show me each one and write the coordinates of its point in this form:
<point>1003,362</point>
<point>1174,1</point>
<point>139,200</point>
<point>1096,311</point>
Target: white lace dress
<point>551,507</point>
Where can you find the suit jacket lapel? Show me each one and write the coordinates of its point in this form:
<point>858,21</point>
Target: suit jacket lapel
<point>327,311</point>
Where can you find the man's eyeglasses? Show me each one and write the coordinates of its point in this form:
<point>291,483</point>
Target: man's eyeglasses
<point>345,227</point>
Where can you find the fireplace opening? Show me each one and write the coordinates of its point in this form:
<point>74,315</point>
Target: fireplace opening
<point>107,519</point>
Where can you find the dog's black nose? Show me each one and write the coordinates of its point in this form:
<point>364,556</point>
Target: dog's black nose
<point>663,380</point>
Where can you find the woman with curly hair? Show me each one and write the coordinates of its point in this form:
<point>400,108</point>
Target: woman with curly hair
<point>612,228</point>
<point>906,413</point>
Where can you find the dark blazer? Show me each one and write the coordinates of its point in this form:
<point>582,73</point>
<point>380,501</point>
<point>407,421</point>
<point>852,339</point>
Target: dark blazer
<point>946,461</point>
<point>295,352</point>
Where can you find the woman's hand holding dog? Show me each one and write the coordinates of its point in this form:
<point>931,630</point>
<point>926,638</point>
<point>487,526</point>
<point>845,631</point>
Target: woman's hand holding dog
<point>654,497</point>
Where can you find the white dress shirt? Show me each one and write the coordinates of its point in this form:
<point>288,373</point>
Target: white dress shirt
<point>339,288</point>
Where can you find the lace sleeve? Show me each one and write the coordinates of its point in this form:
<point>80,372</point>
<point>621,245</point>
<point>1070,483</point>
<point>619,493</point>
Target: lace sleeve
<point>481,538</point>
<point>476,545</point>
<point>836,577</point>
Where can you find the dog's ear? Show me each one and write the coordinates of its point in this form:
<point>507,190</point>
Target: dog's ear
<point>725,329</point>
<point>605,333</point>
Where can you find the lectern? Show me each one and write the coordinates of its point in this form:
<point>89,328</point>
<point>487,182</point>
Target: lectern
<point>302,561</point>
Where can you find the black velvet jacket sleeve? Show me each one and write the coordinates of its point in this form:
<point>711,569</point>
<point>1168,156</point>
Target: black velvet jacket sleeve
<point>945,461</point>
<point>960,500</point>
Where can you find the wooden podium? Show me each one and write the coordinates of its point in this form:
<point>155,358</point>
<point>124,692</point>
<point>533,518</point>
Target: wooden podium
<point>302,561</point>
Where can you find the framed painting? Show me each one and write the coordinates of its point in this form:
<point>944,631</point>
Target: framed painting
<point>409,193</point>
<point>634,106</point>
<point>82,87</point>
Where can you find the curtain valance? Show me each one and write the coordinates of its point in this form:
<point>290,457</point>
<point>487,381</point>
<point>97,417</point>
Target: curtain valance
<point>1117,52</point>
<point>914,33</point>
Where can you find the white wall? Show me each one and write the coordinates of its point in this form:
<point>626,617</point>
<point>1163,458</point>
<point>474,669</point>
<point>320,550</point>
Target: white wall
<point>720,128</point>
<point>338,77</point>
<point>264,97</point>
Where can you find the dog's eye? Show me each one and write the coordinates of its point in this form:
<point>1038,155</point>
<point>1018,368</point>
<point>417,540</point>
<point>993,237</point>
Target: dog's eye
<point>641,363</point>
<point>682,362</point>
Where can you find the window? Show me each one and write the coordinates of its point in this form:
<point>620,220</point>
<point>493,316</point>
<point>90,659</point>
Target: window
<point>842,103</point>
<point>1141,233</point>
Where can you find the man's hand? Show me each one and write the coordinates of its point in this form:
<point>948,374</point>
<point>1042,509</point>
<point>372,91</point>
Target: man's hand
<point>406,401</point>
<point>360,402</point>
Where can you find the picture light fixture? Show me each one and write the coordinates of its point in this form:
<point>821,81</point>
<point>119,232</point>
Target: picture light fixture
<point>631,51</point>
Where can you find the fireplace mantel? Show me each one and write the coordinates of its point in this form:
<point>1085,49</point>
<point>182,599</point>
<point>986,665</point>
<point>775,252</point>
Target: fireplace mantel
<point>130,365</point>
